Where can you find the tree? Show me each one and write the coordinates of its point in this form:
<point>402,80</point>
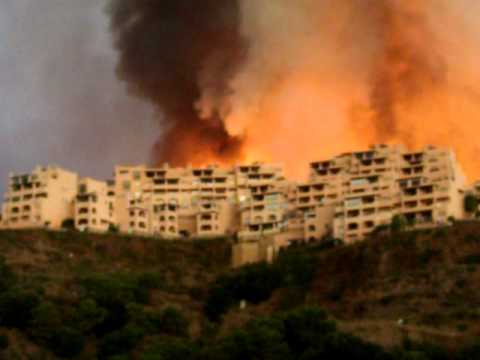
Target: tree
<point>67,342</point>
<point>4,342</point>
<point>89,315</point>
<point>113,229</point>
<point>172,349</point>
<point>45,322</point>
<point>68,224</point>
<point>470,203</point>
<point>16,308</point>
<point>7,277</point>
<point>398,224</point>
<point>120,342</point>
<point>173,322</point>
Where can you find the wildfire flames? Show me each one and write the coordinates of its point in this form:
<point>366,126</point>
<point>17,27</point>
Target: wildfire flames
<point>297,81</point>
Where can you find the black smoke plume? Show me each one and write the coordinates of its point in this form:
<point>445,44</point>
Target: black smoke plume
<point>173,51</point>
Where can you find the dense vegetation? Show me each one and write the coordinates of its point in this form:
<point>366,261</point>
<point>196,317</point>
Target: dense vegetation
<point>81,296</point>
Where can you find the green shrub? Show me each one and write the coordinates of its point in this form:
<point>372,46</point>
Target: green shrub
<point>16,308</point>
<point>441,232</point>
<point>120,342</point>
<point>306,328</point>
<point>46,320</point>
<point>471,352</point>
<point>172,322</point>
<point>113,229</point>
<point>4,342</point>
<point>172,349</point>
<point>7,276</point>
<point>470,204</point>
<point>89,315</point>
<point>67,342</point>
<point>473,259</point>
<point>296,267</point>
<point>253,283</point>
<point>68,224</point>
<point>398,224</point>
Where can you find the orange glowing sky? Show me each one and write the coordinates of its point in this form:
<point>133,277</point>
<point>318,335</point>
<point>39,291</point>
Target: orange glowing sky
<point>306,93</point>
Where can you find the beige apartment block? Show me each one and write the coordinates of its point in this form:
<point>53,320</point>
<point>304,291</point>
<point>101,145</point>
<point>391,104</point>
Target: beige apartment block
<point>166,187</point>
<point>263,194</point>
<point>216,218</point>
<point>179,202</point>
<point>42,199</point>
<point>94,206</point>
<point>263,215</point>
<point>345,197</point>
<point>425,187</point>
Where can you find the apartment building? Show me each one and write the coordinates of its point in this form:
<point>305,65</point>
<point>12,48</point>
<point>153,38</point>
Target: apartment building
<point>369,188</point>
<point>42,198</point>
<point>346,197</point>
<point>94,206</point>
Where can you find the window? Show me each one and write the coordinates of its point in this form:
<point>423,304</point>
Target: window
<point>369,224</point>
<point>352,226</point>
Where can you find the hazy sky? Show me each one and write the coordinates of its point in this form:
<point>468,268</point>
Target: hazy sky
<point>59,99</point>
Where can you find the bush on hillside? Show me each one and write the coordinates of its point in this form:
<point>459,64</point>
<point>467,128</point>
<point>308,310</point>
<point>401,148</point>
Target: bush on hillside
<point>398,224</point>
<point>470,204</point>
<point>46,320</point>
<point>4,342</point>
<point>67,342</point>
<point>7,276</point>
<point>113,229</point>
<point>16,308</point>
<point>120,342</point>
<point>253,283</point>
<point>89,315</point>
<point>171,349</point>
<point>68,224</point>
<point>172,322</point>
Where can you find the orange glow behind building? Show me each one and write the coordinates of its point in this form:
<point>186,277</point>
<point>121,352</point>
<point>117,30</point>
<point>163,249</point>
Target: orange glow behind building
<point>398,72</point>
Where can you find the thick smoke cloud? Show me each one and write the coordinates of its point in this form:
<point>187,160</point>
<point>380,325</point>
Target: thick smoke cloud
<point>60,101</point>
<point>409,62</point>
<point>294,81</point>
<point>181,55</point>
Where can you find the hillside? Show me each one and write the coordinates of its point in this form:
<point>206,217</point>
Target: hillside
<point>85,296</point>
<point>66,268</point>
<point>429,280</point>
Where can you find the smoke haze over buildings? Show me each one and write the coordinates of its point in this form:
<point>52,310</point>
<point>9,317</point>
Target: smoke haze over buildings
<point>304,79</point>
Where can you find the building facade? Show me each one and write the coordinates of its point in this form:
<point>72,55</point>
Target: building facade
<point>346,197</point>
<point>43,198</point>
